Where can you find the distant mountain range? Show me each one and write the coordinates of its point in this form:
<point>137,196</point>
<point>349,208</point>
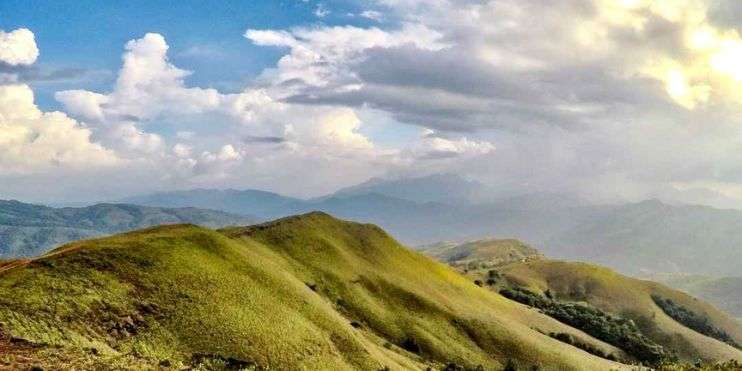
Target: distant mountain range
<point>28,230</point>
<point>635,238</point>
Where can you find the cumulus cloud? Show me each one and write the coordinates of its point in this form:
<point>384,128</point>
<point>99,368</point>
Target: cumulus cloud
<point>18,47</point>
<point>34,141</point>
<point>609,98</point>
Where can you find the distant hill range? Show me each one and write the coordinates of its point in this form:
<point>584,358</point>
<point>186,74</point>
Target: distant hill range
<point>634,238</point>
<point>28,230</point>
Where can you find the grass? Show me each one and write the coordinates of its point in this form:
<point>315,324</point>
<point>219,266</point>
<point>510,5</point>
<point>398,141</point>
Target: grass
<point>630,298</point>
<point>299,293</point>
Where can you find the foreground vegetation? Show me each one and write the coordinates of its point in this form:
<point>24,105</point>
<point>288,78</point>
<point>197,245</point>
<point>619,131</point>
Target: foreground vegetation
<point>613,330</point>
<point>693,320</point>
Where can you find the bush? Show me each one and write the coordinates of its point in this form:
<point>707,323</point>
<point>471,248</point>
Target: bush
<point>575,342</point>
<point>617,331</point>
<point>692,320</point>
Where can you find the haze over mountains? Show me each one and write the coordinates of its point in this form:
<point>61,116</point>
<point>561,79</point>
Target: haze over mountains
<point>28,230</point>
<point>635,238</point>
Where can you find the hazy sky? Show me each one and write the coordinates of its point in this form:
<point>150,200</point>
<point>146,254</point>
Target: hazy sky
<point>610,99</point>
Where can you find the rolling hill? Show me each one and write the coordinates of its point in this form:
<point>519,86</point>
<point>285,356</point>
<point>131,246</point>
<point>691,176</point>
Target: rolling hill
<point>481,253</point>
<point>568,287</point>
<point>304,292</point>
<point>724,293</point>
<point>28,230</point>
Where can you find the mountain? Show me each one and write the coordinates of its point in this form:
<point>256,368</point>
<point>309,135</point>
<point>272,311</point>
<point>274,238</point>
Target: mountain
<point>592,298</point>
<point>481,253</point>
<point>305,292</point>
<point>636,238</point>
<point>652,236</point>
<point>245,202</point>
<point>724,293</point>
<point>439,188</point>
<point>27,230</point>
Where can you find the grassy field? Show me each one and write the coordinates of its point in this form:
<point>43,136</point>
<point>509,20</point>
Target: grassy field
<point>307,292</point>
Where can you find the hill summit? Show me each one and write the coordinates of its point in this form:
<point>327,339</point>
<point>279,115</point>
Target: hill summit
<point>301,292</point>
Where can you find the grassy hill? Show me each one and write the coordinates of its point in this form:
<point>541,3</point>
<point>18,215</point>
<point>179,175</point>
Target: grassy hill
<point>28,230</point>
<point>306,292</point>
<point>725,293</point>
<point>481,253</point>
<point>633,299</point>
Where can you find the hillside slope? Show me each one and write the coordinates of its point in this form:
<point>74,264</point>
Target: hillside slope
<point>481,253</point>
<point>724,293</point>
<point>630,298</point>
<point>28,230</point>
<point>306,292</point>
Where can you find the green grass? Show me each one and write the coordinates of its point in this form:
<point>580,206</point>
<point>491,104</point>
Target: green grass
<point>630,298</point>
<point>299,293</point>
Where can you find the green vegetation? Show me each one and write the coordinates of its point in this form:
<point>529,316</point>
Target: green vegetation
<point>629,298</point>
<point>571,340</point>
<point>299,293</point>
<point>481,254</point>
<point>731,365</point>
<point>724,293</point>
<point>692,320</point>
<point>613,330</point>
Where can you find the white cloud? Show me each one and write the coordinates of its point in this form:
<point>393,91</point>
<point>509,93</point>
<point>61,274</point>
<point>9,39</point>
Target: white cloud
<point>321,11</point>
<point>18,48</point>
<point>33,141</point>
<point>373,15</point>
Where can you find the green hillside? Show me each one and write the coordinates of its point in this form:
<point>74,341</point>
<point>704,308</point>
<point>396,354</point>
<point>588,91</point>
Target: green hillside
<point>481,253</point>
<point>725,293</point>
<point>306,292</point>
<point>633,299</point>
<point>29,230</point>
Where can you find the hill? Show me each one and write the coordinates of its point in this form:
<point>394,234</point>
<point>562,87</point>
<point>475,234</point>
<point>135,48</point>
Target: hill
<point>481,253</point>
<point>651,236</point>
<point>305,292</point>
<point>242,202</point>
<point>28,230</point>
<point>440,188</point>
<point>638,300</point>
<point>725,293</point>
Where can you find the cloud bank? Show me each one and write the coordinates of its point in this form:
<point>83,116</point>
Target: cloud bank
<point>610,99</point>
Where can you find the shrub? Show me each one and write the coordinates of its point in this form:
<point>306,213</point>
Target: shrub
<point>617,331</point>
<point>692,320</point>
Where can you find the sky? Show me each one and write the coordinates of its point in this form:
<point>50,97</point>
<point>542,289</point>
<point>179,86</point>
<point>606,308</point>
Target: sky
<point>611,100</point>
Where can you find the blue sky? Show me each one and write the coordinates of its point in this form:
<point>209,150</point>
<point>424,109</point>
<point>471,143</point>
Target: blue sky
<point>204,36</point>
<point>611,100</point>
